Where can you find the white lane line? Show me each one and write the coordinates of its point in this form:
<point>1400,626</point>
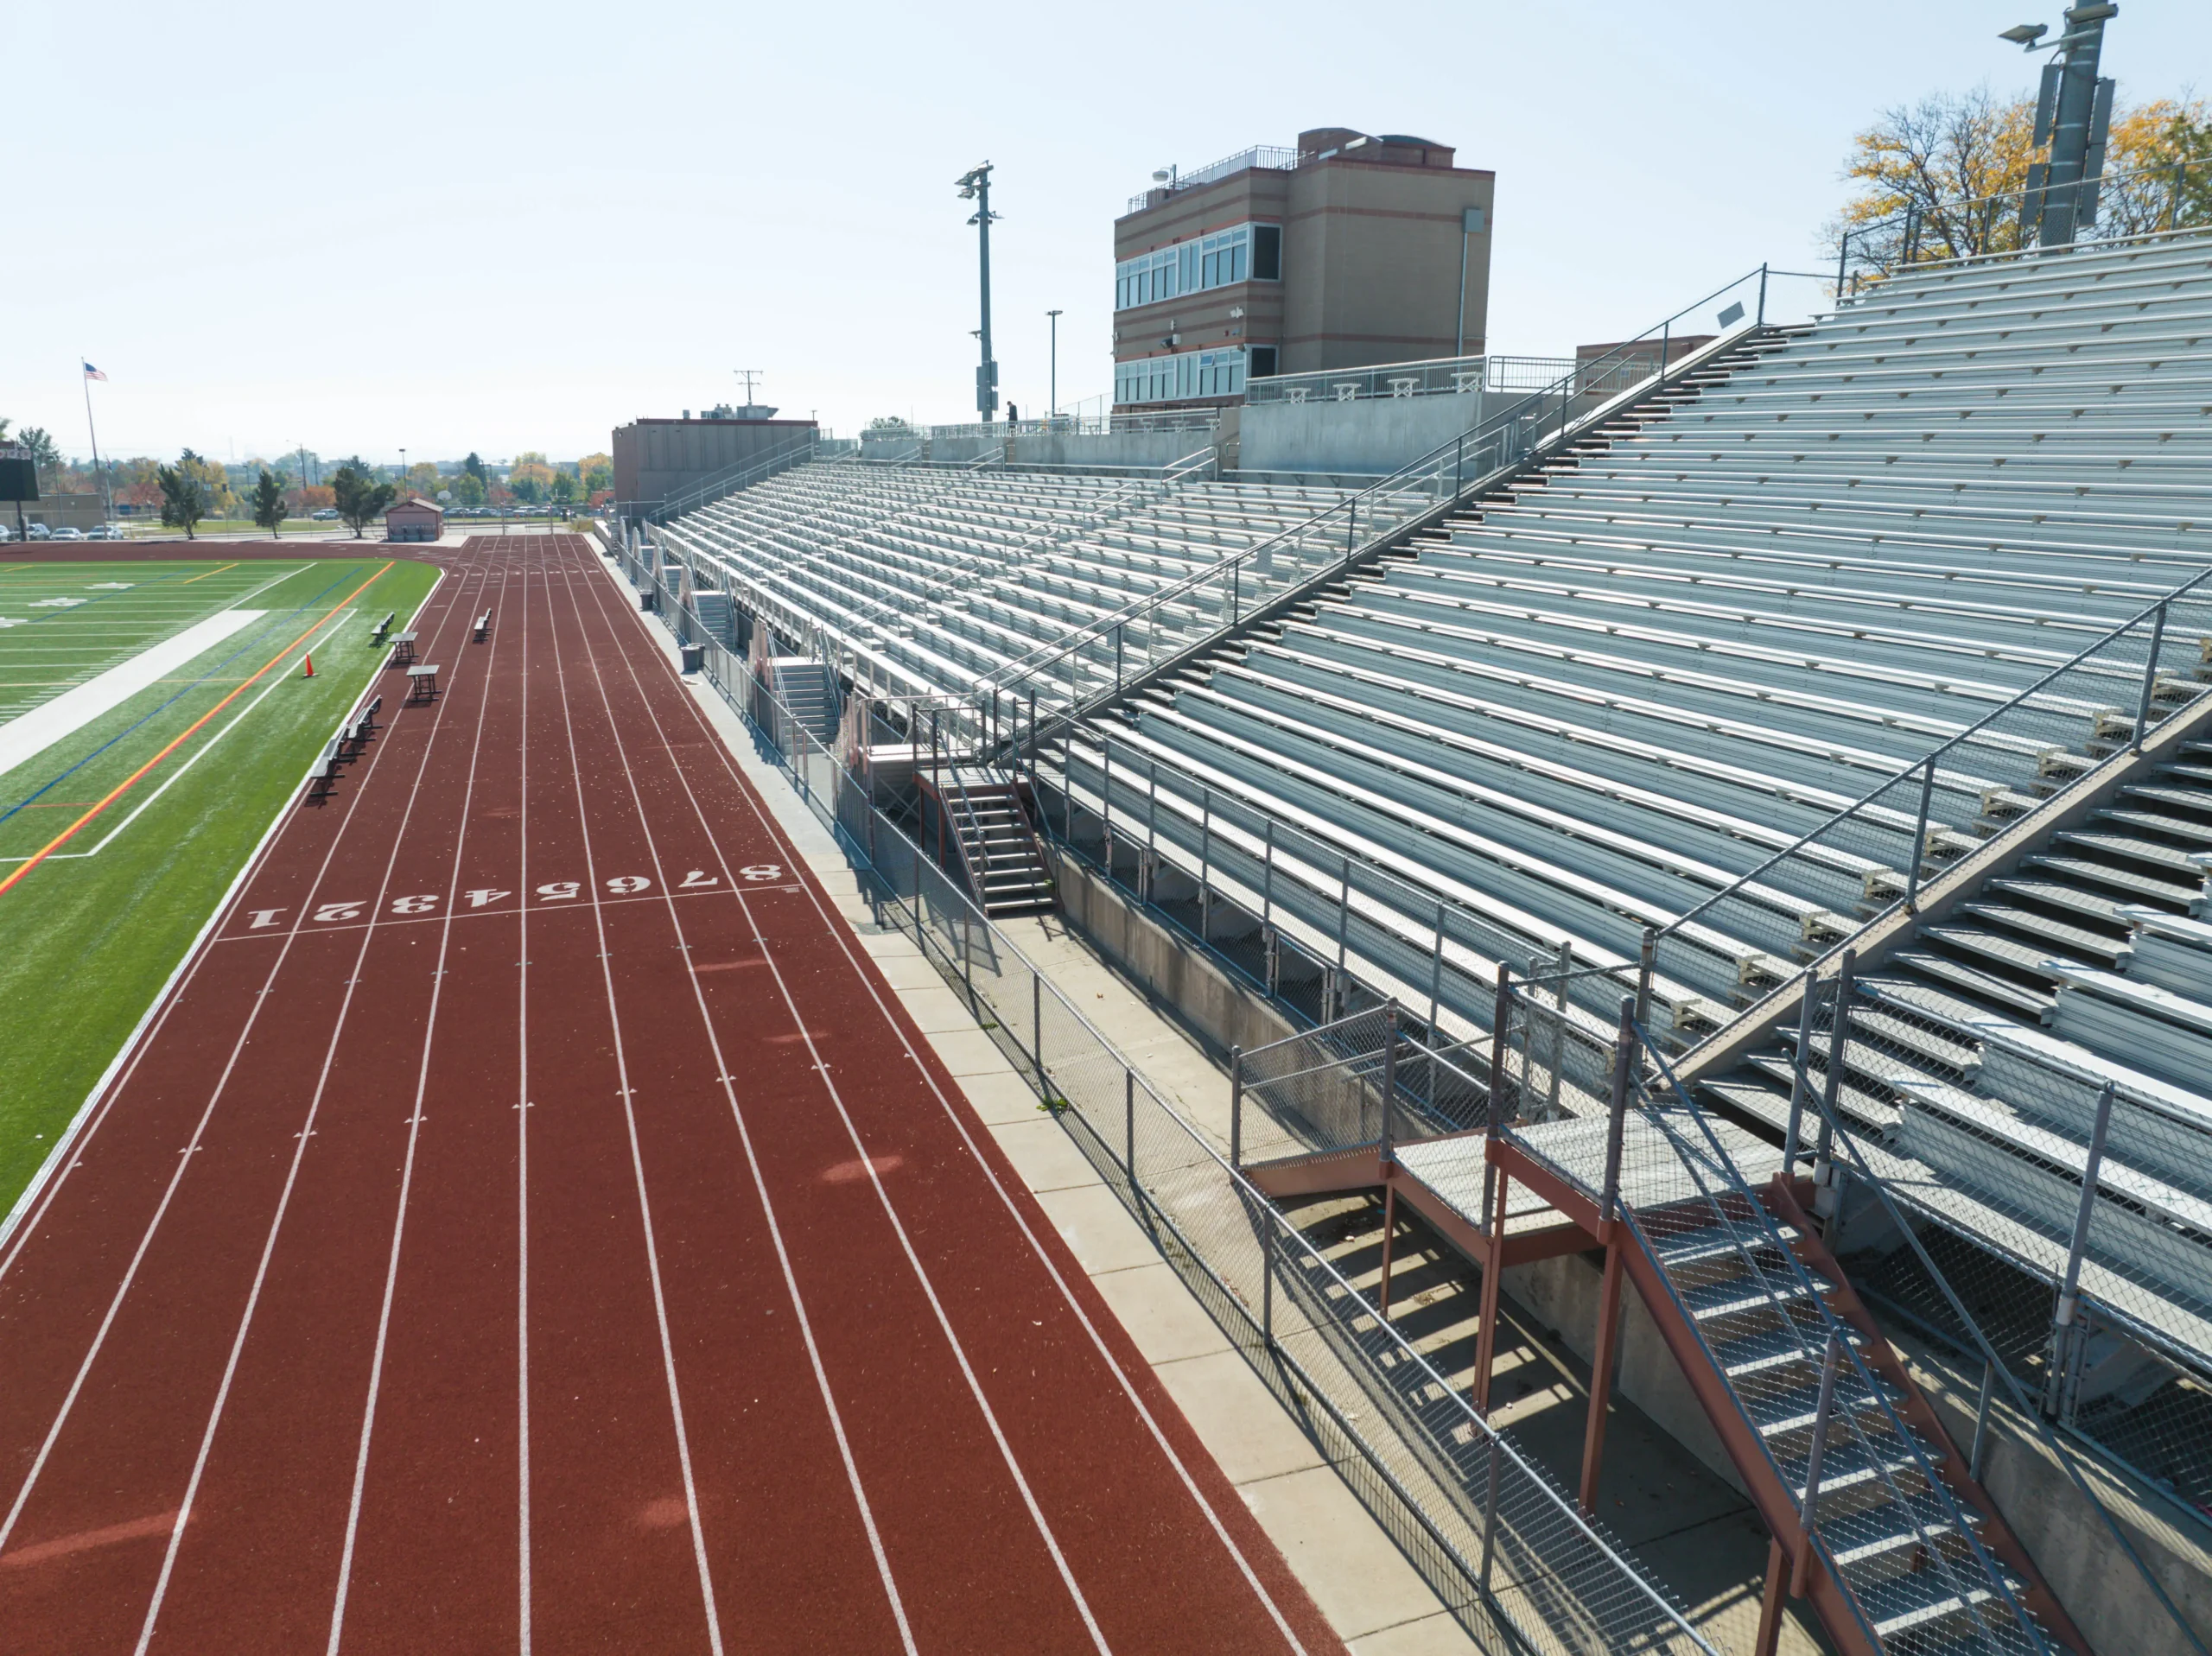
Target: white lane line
<point>522,1159</point>
<point>637,1170</point>
<point>53,1174</point>
<point>407,1166</point>
<point>184,1162</point>
<point>285,1197</point>
<point>835,928</point>
<point>25,737</point>
<point>768,1205</point>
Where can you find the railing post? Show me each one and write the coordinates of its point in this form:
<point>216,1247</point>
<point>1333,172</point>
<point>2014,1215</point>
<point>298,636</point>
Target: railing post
<point>1129,1130</point>
<point>1981,1420</point>
<point>1389,1079</point>
<point>1647,960</point>
<point>1501,1030</point>
<point>1037,1022</point>
<point>1800,1078</point>
<point>2150,676</point>
<point>1119,627</point>
<point>1268,1281</point>
<point>2064,1333</point>
<point>1106,804</point>
<point>1344,930</point>
<point>1236,1106</point>
<point>1617,1123</point>
<point>1436,979</point>
<point>1842,261</point>
<point>1268,880</point>
<point>1761,318</point>
<point>1920,835</point>
<point>1205,857</point>
<point>1824,1171</point>
<point>1822,1411</point>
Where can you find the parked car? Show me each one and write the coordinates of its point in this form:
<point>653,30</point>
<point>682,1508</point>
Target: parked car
<point>68,532</point>
<point>104,532</point>
<point>327,515</point>
<point>38,532</point>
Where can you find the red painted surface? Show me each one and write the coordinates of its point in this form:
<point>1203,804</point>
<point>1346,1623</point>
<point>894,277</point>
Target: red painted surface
<point>321,1332</point>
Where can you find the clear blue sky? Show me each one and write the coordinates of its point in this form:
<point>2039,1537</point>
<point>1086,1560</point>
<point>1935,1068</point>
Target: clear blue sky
<point>459,226</point>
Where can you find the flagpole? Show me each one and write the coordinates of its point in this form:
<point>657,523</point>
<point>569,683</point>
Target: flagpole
<point>98,474</point>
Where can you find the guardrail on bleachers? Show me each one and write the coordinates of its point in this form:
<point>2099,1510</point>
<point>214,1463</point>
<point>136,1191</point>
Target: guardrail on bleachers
<point>714,487</point>
<point>1502,1545</point>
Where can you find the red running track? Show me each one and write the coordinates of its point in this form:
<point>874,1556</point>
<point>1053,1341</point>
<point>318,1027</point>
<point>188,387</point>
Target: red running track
<point>530,1224</point>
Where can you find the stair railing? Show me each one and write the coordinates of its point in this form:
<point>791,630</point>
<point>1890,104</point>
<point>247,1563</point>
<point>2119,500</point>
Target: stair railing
<point>1716,1155</point>
<point>1863,1173</point>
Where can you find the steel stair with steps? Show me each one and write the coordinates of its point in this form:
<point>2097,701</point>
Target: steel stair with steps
<point>999,850</point>
<point>1910,1554</point>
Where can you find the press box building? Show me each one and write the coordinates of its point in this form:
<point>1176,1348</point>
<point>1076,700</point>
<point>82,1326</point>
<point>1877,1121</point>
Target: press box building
<point>1348,250</point>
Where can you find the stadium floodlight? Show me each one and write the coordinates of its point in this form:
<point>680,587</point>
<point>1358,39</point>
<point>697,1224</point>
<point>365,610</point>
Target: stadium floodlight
<point>2073,114</point>
<point>2025,35</point>
<point>974,185</point>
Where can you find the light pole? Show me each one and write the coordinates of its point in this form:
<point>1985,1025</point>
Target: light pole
<point>402,467</point>
<point>1055,315</point>
<point>2073,114</point>
<point>976,186</point>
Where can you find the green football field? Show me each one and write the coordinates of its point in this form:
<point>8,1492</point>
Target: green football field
<point>153,721</point>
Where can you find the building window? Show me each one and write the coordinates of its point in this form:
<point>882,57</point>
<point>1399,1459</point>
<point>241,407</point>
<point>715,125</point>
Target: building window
<point>1241,253</point>
<point>1263,361</point>
<point>1266,253</point>
<point>1183,376</point>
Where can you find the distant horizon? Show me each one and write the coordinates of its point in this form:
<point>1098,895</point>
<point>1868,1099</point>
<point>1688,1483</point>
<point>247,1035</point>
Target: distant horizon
<point>527,260</point>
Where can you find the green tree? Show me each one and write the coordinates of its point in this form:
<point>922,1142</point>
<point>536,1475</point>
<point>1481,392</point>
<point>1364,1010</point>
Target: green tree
<point>184,497</point>
<point>269,505</point>
<point>474,466</point>
<point>44,454</point>
<point>468,488</point>
<point>564,487</point>
<point>360,497</point>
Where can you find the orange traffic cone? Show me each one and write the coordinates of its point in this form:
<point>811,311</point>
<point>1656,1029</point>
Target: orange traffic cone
<point>310,672</point>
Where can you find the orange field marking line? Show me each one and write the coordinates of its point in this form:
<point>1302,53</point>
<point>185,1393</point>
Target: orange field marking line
<point>131,781</point>
<point>233,566</point>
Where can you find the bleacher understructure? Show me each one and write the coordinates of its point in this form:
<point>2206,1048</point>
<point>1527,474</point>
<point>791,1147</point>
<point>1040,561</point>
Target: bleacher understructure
<point>1607,699</point>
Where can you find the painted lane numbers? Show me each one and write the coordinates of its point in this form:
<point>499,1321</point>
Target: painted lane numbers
<point>554,890</point>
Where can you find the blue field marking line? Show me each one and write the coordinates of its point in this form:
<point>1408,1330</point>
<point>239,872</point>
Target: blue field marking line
<point>250,635</point>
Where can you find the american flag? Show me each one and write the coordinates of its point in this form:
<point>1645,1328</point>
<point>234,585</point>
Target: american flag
<point>91,372</point>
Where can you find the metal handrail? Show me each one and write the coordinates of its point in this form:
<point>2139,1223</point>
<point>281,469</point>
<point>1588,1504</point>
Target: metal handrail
<point>728,480</point>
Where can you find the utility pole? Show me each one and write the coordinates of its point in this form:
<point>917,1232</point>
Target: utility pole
<point>748,375</point>
<point>2073,114</point>
<point>976,186</point>
<point>1055,315</point>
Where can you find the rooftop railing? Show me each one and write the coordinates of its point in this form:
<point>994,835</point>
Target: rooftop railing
<point>1279,158</point>
<point>1445,375</point>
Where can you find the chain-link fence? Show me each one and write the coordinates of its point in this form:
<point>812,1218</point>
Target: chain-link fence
<point>1501,1544</point>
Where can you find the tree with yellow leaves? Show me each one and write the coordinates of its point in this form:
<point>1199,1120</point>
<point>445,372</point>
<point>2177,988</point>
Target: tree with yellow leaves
<point>1948,172</point>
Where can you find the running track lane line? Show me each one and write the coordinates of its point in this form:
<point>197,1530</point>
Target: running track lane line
<point>760,1186</point>
<point>637,1163</point>
<point>30,1207</point>
<point>184,1163</point>
<point>831,925</point>
<point>291,1177</point>
<point>913,1260</point>
<point>522,1155</point>
<point>131,781</point>
<point>414,1138</point>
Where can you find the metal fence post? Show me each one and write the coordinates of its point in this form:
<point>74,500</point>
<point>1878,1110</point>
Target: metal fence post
<point>1616,1125</point>
<point>1824,1194</point>
<point>1236,1106</point>
<point>2064,1333</point>
<point>1981,1420</point>
<point>1799,1078</point>
<point>1129,1130</point>
<point>1037,1022</point>
<point>1501,1032</point>
<point>2150,676</point>
<point>1814,1456</point>
<point>1647,961</point>
<point>1343,928</point>
<point>1268,880</point>
<point>1842,259</point>
<point>1389,1078</point>
<point>1920,835</point>
<point>1106,804</point>
<point>1205,856</point>
<point>1490,1514</point>
<point>1761,315</point>
<point>1436,977</point>
<point>917,900</point>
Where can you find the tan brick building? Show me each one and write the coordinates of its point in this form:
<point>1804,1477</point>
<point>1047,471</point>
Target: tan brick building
<point>1351,248</point>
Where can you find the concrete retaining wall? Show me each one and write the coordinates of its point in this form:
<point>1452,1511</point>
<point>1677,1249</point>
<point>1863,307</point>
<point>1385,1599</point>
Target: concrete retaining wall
<point>1375,434</point>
